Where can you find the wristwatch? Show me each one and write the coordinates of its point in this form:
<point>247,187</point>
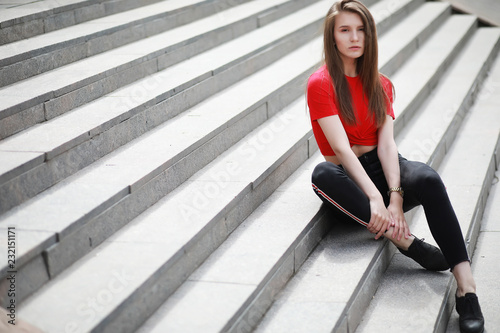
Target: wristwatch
<point>396,189</point>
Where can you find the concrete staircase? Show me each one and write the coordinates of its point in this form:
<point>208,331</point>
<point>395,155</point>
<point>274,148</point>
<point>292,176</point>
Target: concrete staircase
<point>156,160</point>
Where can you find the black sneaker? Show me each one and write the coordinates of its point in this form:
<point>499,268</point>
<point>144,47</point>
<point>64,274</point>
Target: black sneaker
<point>471,318</point>
<point>427,255</point>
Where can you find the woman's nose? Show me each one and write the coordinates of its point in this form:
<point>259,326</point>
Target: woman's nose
<point>354,36</point>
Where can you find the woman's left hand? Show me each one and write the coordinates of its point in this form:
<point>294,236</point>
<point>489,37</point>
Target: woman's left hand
<point>398,222</point>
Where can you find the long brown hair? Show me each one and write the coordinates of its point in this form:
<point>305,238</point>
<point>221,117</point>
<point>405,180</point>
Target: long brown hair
<point>366,65</point>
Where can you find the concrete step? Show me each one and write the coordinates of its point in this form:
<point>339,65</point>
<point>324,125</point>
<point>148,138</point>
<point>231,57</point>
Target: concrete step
<point>138,107</point>
<point>485,261</point>
<point>406,37</point>
<point>36,55</point>
<point>451,99</point>
<point>333,286</point>
<point>233,288</point>
<point>487,11</point>
<point>429,309</point>
<point>427,65</point>
<point>389,13</point>
<point>348,255</point>
<point>24,19</point>
<point>53,93</point>
<point>195,219</point>
<point>86,208</point>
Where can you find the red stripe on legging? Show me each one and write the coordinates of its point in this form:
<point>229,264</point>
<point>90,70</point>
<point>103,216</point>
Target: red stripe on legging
<point>342,209</point>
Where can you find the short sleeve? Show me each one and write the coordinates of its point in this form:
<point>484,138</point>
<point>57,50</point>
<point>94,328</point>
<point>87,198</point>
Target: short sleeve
<point>320,96</point>
<point>386,83</point>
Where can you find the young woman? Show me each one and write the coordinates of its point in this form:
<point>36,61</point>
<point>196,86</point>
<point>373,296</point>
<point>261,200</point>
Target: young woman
<point>364,178</point>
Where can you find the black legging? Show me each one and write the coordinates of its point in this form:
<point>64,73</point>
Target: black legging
<point>421,184</point>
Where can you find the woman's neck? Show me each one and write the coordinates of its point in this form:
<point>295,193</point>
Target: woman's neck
<point>350,68</point>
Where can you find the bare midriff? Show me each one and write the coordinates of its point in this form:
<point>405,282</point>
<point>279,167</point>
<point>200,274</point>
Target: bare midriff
<point>357,149</point>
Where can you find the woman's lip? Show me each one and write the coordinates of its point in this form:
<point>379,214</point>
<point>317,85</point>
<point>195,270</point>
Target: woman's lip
<point>355,47</point>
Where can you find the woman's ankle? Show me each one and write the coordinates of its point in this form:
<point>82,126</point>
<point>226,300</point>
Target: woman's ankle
<point>468,286</point>
<point>467,290</point>
<point>465,281</point>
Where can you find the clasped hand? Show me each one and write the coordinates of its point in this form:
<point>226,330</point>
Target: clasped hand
<point>383,219</point>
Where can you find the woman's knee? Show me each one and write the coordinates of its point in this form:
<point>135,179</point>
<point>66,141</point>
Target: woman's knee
<point>325,172</point>
<point>428,179</point>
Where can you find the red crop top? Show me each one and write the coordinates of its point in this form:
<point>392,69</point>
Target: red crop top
<point>321,102</point>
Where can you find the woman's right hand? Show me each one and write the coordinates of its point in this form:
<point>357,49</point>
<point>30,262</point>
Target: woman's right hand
<point>380,219</point>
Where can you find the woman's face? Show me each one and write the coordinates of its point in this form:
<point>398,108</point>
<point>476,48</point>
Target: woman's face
<point>349,36</point>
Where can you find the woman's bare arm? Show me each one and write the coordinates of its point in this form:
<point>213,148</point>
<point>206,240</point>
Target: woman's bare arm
<point>388,156</point>
<point>337,138</point>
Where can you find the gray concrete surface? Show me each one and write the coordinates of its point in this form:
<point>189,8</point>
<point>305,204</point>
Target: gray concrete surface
<point>487,10</point>
<point>485,265</point>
